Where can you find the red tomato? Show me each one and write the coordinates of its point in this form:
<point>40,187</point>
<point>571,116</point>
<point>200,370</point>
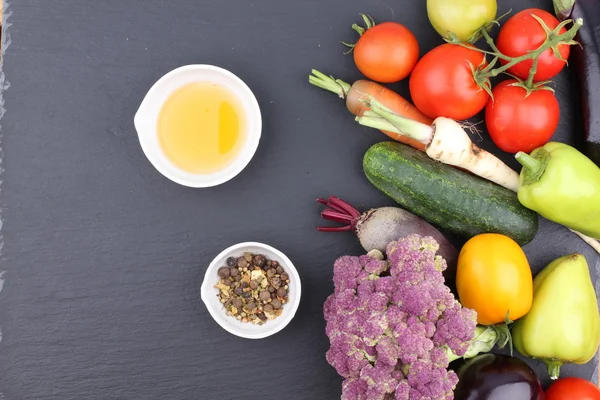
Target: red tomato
<point>386,52</point>
<point>572,389</point>
<point>521,34</point>
<point>442,83</point>
<point>517,122</point>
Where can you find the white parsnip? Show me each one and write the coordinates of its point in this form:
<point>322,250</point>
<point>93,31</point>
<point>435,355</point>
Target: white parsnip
<point>451,145</point>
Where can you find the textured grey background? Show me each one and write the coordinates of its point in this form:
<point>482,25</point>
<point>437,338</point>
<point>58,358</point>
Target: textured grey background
<point>104,257</point>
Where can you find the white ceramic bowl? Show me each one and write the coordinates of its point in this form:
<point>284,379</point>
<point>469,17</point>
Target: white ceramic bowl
<point>146,118</point>
<point>248,330</point>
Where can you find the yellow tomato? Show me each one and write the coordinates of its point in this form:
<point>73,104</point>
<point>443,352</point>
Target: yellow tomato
<point>493,277</point>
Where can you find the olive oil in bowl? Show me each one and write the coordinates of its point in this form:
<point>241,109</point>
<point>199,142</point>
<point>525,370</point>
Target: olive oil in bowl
<point>202,127</point>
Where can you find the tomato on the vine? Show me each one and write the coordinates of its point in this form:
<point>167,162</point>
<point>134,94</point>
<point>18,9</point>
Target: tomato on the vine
<point>386,52</point>
<point>463,18</point>
<point>520,122</point>
<point>521,34</point>
<point>572,389</point>
<point>442,83</point>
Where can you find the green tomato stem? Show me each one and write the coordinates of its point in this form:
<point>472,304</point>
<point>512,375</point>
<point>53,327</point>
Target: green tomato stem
<point>554,39</point>
<point>532,72</point>
<point>490,42</point>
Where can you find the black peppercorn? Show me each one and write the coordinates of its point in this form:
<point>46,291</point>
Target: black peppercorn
<point>245,285</point>
<point>238,290</point>
<point>262,317</point>
<point>232,261</point>
<point>246,295</point>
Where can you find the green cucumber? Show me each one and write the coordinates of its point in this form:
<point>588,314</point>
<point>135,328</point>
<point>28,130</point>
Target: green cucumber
<point>454,201</point>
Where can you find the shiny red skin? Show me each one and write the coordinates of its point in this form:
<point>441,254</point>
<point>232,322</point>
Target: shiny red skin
<point>523,33</point>
<point>572,388</point>
<point>517,122</point>
<point>442,83</point>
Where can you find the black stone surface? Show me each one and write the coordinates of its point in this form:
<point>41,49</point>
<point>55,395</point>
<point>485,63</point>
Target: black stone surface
<point>103,257</point>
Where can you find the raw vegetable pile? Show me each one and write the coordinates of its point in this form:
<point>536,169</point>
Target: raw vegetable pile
<point>416,318</point>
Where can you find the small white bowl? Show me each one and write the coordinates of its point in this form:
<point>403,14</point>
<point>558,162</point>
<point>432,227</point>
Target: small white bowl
<point>248,330</point>
<point>146,118</point>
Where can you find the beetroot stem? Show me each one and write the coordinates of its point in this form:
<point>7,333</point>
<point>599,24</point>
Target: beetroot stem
<point>332,206</point>
<point>345,206</point>
<point>337,217</point>
<point>337,229</point>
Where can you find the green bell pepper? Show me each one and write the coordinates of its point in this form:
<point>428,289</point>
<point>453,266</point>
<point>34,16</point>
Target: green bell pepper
<point>562,185</point>
<point>563,324</point>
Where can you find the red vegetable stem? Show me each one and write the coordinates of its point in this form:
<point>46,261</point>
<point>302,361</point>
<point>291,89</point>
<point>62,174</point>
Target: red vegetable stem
<point>337,217</point>
<point>345,206</point>
<point>330,205</point>
<point>338,229</point>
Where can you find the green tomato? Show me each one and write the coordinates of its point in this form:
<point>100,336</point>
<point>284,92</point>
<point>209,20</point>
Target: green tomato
<point>461,17</point>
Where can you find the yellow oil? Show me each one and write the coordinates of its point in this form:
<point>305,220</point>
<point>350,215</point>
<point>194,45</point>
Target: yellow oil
<point>201,127</point>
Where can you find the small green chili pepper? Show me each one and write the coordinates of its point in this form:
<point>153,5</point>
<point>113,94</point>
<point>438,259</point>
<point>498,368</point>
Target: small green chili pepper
<point>562,185</point>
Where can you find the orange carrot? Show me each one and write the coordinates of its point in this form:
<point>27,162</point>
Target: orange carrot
<point>361,88</point>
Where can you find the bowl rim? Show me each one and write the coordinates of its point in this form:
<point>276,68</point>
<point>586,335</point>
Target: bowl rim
<point>292,307</point>
<point>159,159</point>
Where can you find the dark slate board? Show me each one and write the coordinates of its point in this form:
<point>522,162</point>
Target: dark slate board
<point>104,257</point>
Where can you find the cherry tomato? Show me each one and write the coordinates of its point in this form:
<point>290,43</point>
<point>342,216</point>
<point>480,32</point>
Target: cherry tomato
<point>517,122</point>
<point>493,278</point>
<point>386,52</point>
<point>442,83</point>
<point>521,34</point>
<point>572,389</point>
<point>461,17</point>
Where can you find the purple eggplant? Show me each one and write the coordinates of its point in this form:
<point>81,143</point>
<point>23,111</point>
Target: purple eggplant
<point>493,377</point>
<point>585,61</point>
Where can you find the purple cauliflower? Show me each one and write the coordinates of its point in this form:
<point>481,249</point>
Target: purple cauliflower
<point>394,326</point>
